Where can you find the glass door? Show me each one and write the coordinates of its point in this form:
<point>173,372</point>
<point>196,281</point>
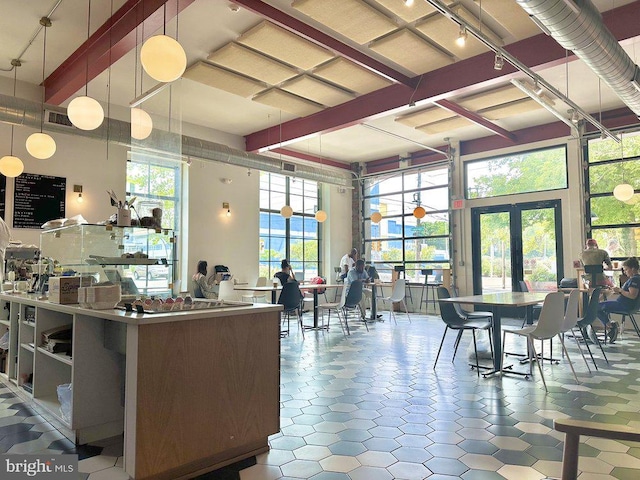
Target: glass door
<point>513,243</point>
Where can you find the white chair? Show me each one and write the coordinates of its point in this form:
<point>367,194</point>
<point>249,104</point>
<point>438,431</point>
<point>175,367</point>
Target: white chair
<point>548,326</point>
<point>226,291</point>
<point>570,321</point>
<point>256,297</point>
<point>336,307</point>
<point>397,296</point>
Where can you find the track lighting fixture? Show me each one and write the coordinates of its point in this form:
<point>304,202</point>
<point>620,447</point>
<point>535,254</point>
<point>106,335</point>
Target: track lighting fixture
<point>462,36</point>
<point>498,62</point>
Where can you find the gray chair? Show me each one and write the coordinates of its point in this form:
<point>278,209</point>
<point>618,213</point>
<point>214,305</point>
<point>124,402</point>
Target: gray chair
<point>291,300</point>
<point>352,303</point>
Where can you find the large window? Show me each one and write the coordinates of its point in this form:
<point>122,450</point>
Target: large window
<point>614,224</point>
<point>296,238</point>
<point>533,171</point>
<point>401,239</point>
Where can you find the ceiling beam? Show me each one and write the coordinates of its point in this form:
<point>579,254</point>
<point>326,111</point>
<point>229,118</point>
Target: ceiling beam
<point>114,39</point>
<point>463,77</point>
<point>475,118</point>
<point>319,38</point>
<point>322,161</point>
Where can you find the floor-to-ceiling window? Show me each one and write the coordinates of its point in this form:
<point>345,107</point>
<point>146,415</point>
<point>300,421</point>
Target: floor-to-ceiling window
<point>296,238</point>
<point>400,238</point>
<point>615,224</point>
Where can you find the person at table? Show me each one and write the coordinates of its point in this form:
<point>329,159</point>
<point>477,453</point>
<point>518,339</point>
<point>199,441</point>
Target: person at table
<point>592,255</point>
<point>626,300</point>
<point>358,273</point>
<point>347,262</point>
<point>286,273</point>
<point>200,284</point>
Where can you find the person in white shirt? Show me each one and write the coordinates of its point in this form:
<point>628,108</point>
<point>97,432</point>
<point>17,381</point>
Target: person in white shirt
<point>347,263</point>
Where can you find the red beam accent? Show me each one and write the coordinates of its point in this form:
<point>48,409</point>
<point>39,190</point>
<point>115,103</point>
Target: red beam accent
<point>462,77</point>
<point>475,118</point>
<point>312,158</point>
<point>115,38</point>
<point>316,36</point>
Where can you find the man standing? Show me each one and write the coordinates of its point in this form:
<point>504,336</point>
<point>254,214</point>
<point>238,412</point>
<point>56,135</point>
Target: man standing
<point>592,255</point>
<point>347,263</point>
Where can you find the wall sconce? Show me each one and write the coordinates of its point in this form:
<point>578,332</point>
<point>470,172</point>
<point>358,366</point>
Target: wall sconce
<point>225,205</point>
<point>78,189</point>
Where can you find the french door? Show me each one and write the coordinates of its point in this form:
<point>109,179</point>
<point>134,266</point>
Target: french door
<point>517,242</point>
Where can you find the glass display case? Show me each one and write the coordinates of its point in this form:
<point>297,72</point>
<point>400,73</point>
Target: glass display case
<point>141,259</point>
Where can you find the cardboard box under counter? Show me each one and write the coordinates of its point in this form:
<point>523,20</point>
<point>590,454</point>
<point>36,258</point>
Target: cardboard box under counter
<point>64,289</point>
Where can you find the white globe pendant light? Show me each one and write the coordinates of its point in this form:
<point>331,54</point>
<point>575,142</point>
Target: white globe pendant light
<point>286,211</point>
<point>85,113</point>
<point>11,166</point>
<point>141,124</point>
<point>321,216</point>
<point>163,58</point>
<point>376,217</point>
<point>41,145</point>
<point>623,192</point>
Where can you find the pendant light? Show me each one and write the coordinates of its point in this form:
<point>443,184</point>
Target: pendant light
<point>11,166</point>
<point>85,112</point>
<point>41,145</point>
<point>286,211</point>
<point>419,212</point>
<point>321,215</point>
<point>141,122</point>
<point>376,217</point>
<point>162,57</point>
<point>623,191</point>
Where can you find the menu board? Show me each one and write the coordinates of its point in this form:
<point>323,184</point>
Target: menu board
<point>38,199</point>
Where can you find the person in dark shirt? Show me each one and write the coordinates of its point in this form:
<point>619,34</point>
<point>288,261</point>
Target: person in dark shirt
<point>626,300</point>
<point>286,273</point>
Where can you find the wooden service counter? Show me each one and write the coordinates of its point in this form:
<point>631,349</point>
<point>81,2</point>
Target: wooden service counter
<point>201,387</point>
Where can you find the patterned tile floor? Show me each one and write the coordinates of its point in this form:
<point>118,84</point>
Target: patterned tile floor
<point>371,407</point>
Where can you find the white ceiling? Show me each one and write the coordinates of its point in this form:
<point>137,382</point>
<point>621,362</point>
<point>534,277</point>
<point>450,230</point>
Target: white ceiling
<point>207,25</point>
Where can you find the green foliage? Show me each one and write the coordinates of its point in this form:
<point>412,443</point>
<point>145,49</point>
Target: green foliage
<point>426,229</point>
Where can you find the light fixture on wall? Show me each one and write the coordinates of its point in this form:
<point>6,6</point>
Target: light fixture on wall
<point>78,189</point>
<point>162,57</point>
<point>11,166</point>
<point>225,206</point>
<point>376,217</point>
<point>623,191</point>
<point>85,112</point>
<point>41,145</point>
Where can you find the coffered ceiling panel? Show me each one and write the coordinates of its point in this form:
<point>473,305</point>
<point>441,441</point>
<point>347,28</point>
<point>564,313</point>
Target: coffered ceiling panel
<point>351,76</point>
<point>317,90</point>
<point>445,33</point>
<point>410,51</point>
<point>445,125</point>
<point>354,19</point>
<point>423,117</point>
<point>255,65</point>
<point>512,17</point>
<point>418,10</point>
<point>222,79</point>
<point>285,46</point>
<point>491,98</point>
<point>286,101</point>
<point>510,109</point>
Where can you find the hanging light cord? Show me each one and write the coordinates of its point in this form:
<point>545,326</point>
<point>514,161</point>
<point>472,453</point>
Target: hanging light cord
<point>16,63</point>
<point>46,23</point>
<point>86,86</point>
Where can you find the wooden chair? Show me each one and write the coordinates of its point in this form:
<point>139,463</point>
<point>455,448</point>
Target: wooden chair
<point>573,429</point>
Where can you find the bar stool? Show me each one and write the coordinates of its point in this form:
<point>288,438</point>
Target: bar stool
<point>426,287</point>
<point>400,270</point>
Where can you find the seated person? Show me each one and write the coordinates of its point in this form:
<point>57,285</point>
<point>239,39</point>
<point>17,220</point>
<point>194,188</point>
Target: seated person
<point>200,284</point>
<point>286,273</point>
<point>592,255</point>
<point>354,274</point>
<point>626,302</point>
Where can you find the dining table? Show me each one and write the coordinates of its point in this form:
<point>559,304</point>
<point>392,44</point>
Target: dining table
<point>315,288</point>
<point>498,302</point>
<point>274,289</point>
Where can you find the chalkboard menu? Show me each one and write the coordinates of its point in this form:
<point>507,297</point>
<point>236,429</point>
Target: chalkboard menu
<point>38,199</point>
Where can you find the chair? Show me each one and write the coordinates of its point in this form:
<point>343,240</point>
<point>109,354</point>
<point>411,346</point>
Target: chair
<point>255,296</point>
<point>454,321</point>
<point>291,299</point>
<point>570,321</point>
<point>226,291</point>
<point>337,307</point>
<point>594,271</point>
<point>548,326</point>
<point>469,315</point>
<point>397,296</point>
<point>536,308</point>
<point>401,270</point>
<point>573,429</point>
<point>590,316</point>
<point>352,303</point>
<point>629,313</point>
<point>426,288</point>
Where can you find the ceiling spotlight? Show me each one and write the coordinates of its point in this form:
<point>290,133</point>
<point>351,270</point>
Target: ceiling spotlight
<point>498,62</point>
<point>575,116</point>
<point>537,89</point>
<point>408,3</point>
<point>462,36</point>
